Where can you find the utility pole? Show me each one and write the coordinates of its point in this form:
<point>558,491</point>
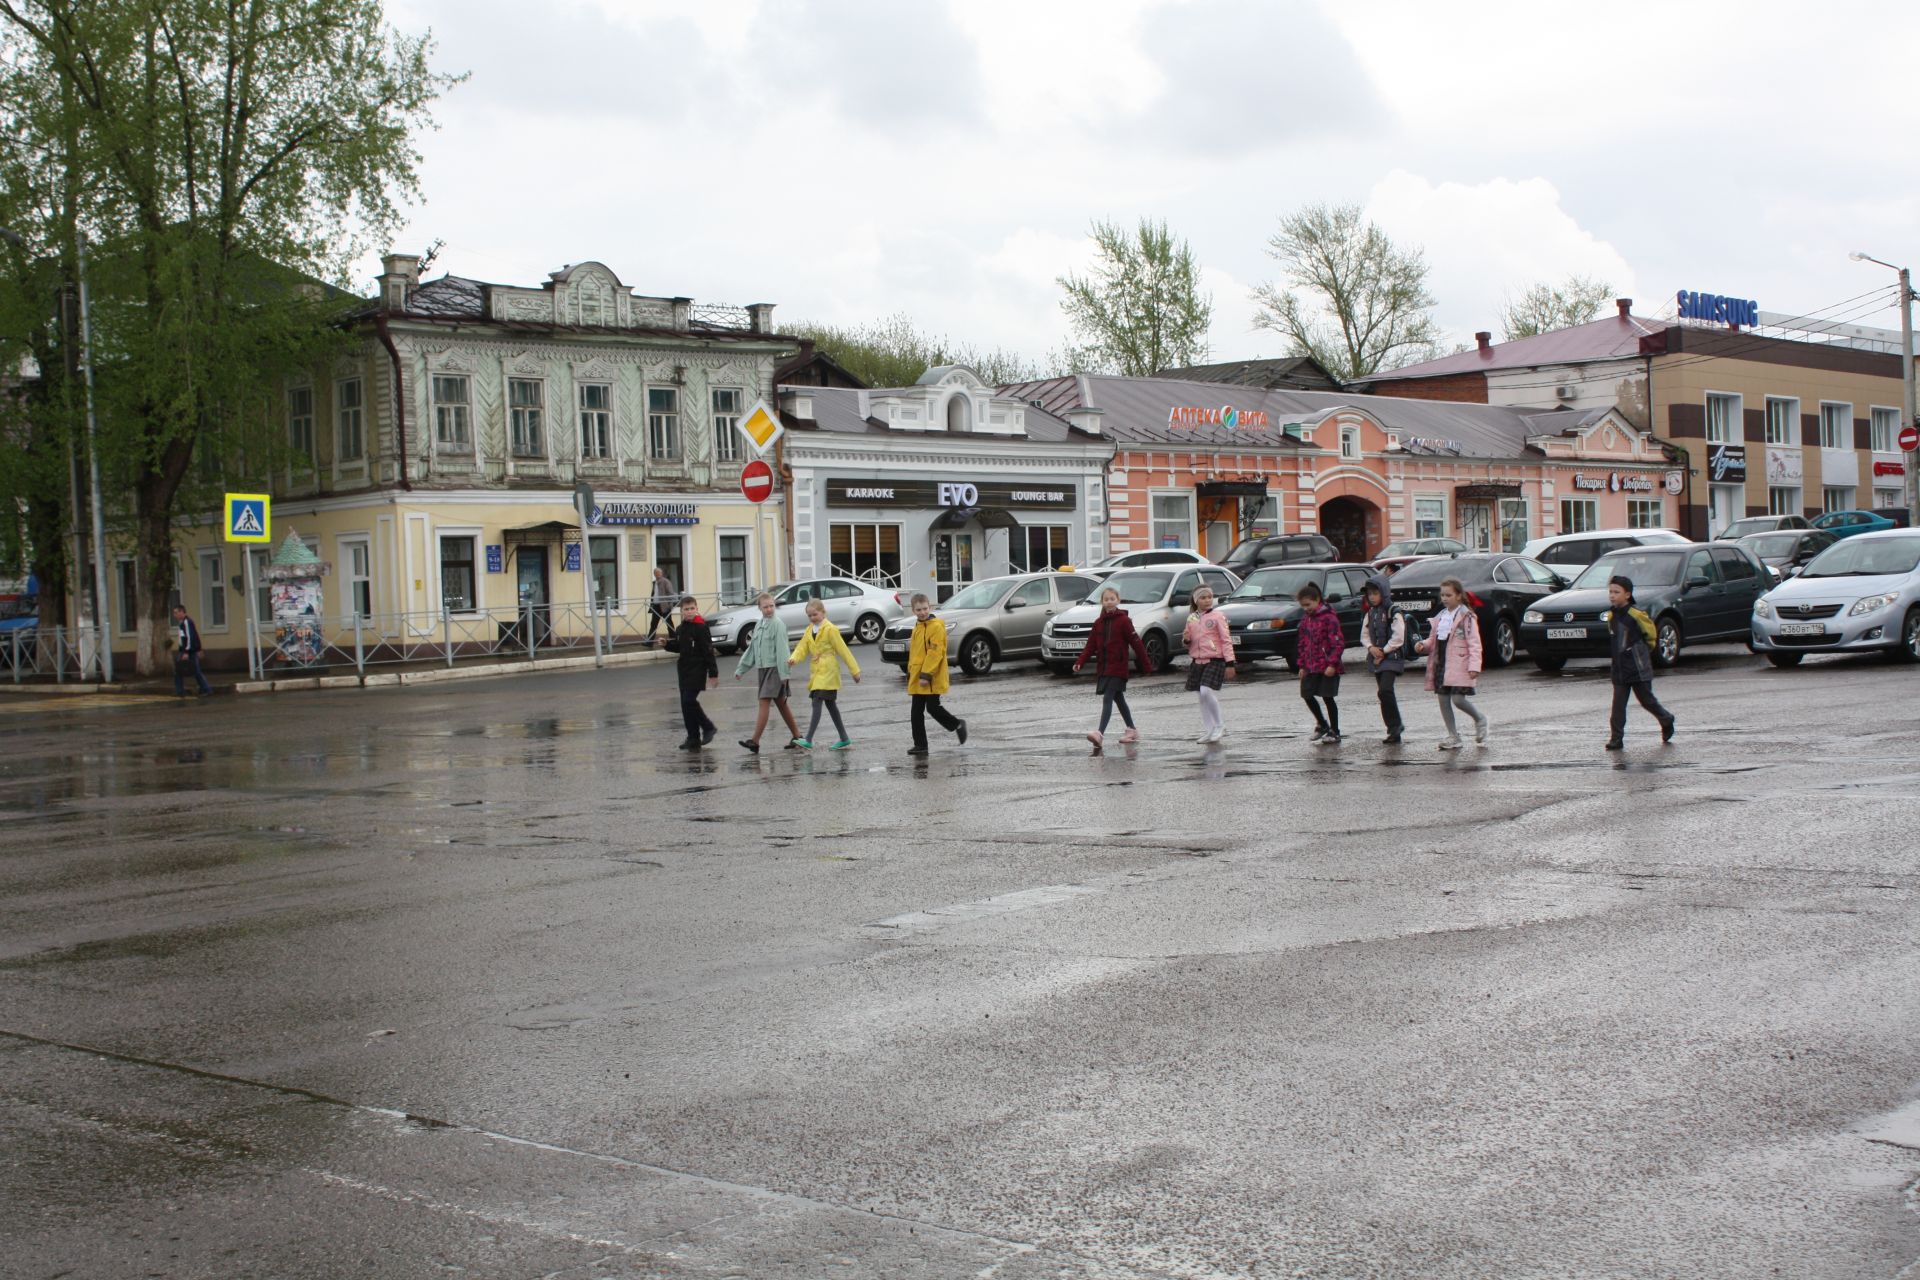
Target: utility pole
<point>102,609</point>
<point>1907,408</point>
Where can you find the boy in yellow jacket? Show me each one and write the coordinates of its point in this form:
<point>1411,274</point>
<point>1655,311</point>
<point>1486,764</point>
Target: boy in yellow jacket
<point>824,650</point>
<point>927,676</point>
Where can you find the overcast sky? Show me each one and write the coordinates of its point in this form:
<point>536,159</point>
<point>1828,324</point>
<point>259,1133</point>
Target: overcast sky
<point>848,159</point>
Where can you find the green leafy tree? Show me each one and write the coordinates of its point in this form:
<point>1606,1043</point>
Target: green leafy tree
<point>1546,307</point>
<point>1141,309</point>
<point>1352,299</point>
<point>229,158</point>
<point>894,352</point>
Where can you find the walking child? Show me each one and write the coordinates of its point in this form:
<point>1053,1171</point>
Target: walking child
<point>824,650</point>
<point>1111,641</point>
<point>1320,656</point>
<point>1385,635</point>
<point>1629,633</point>
<point>1209,644</point>
<point>1453,667</point>
<point>766,654</point>
<point>697,669</point>
<point>927,676</point>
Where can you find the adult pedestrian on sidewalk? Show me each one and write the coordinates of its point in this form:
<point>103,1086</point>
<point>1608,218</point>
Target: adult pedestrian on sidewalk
<point>698,670</point>
<point>660,604</point>
<point>1630,633</point>
<point>186,654</point>
<point>1384,632</point>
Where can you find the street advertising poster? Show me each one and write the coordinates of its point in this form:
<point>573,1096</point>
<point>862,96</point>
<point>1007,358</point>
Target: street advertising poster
<point>295,595</point>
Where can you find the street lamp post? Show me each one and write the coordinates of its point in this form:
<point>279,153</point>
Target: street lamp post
<point>1907,414</point>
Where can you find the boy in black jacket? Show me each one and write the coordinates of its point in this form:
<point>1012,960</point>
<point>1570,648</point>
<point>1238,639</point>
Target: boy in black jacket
<point>1629,631</point>
<point>698,670</point>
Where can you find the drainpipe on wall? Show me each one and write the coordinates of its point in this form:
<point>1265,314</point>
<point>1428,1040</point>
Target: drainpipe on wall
<point>399,396</point>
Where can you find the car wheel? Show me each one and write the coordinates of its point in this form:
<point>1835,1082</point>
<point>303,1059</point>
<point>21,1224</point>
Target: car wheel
<point>1506,642</point>
<point>1293,661</point>
<point>741,641</point>
<point>1550,664</point>
<point>1909,650</point>
<point>976,654</point>
<point>1666,641</point>
<point>1156,645</point>
<point>868,629</point>
<point>1784,660</point>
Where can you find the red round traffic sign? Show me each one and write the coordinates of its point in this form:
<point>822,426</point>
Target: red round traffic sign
<point>756,481</point>
<point>1910,438</point>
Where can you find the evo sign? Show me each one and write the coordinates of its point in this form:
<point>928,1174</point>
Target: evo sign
<point>1718,309</point>
<point>951,494</point>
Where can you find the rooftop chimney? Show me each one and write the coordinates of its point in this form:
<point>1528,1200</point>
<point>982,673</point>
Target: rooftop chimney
<point>1626,307</point>
<point>760,317</point>
<point>399,276</point>
<point>1084,418</point>
<point>1485,340</point>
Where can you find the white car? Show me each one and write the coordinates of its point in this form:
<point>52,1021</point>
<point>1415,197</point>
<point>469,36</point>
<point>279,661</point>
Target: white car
<point>1159,600</point>
<point>1582,549</point>
<point>1861,593</point>
<point>860,609</point>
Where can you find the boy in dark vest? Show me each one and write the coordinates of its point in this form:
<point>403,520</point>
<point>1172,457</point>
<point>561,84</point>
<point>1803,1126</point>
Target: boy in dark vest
<point>1629,634</point>
<point>692,640</point>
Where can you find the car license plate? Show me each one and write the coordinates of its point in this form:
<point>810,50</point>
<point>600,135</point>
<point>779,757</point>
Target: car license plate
<point>1417,606</point>
<point>1802,629</point>
<point>1566,633</point>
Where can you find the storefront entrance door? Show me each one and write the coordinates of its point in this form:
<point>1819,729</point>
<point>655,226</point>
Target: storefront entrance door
<point>1723,507</point>
<point>952,563</point>
<point>530,572</point>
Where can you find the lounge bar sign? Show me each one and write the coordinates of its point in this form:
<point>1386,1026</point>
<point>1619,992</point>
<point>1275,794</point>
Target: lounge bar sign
<point>950,494</point>
<point>615,511</point>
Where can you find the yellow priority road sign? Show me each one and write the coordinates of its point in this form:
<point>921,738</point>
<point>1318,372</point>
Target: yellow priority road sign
<point>762,427</point>
<point>249,517</point>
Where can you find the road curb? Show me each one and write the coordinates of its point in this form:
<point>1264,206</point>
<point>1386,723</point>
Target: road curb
<point>440,675</point>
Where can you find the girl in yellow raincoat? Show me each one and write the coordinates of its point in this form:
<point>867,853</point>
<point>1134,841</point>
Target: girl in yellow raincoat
<point>824,649</point>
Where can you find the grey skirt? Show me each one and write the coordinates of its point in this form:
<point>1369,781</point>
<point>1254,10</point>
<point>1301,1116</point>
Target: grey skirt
<point>1209,674</point>
<point>773,683</point>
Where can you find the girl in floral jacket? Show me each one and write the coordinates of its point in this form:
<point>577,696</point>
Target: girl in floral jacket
<point>1320,656</point>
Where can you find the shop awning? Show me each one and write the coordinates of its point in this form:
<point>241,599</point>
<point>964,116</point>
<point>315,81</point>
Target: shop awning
<point>1486,492</point>
<point>544,533</point>
<point>1231,489</point>
<point>985,517</point>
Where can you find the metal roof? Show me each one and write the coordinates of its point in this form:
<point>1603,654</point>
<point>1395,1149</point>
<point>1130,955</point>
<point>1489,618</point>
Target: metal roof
<point>837,410</point>
<point>1286,371</point>
<point>1615,337</point>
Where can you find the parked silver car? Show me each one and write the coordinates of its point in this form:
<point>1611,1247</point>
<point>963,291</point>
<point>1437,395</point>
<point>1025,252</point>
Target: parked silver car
<point>995,619</point>
<point>1159,600</point>
<point>860,609</point>
<point>1862,593</point>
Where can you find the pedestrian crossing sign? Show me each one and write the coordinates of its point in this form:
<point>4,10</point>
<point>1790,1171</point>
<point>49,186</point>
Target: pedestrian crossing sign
<point>762,427</point>
<point>249,517</point>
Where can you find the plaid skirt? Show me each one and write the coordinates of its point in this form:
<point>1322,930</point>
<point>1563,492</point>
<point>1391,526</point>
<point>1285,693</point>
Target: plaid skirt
<point>1211,673</point>
<point>773,683</point>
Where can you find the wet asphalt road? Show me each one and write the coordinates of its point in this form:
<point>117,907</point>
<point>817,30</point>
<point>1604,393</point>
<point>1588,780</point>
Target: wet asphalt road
<point>484,979</point>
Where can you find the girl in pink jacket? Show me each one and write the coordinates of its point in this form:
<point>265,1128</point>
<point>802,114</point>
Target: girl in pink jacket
<point>1453,664</point>
<point>1210,649</point>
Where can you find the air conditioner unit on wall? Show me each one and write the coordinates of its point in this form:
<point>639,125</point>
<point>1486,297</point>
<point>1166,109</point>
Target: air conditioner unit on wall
<point>1566,391</point>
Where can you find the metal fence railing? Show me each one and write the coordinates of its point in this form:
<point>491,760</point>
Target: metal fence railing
<point>57,653</point>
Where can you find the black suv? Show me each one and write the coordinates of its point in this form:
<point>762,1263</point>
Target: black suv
<point>1694,592</point>
<point>1281,548</point>
<point>1264,616</point>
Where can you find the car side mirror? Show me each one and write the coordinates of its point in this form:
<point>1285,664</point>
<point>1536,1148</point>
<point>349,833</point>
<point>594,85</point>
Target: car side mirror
<point>1181,598</point>
<point>1560,583</point>
<point>1016,604</point>
<point>1698,580</point>
<point>1335,599</point>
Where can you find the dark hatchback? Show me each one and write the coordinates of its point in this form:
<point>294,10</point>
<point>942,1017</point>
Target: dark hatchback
<point>1786,551</point>
<point>1695,594</point>
<point>1265,617</point>
<point>1279,548</point>
<point>1507,585</point>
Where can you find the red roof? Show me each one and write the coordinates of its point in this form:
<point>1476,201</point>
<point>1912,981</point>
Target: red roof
<point>1613,338</point>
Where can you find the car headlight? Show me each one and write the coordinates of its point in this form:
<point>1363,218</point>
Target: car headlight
<point>1533,616</point>
<point>1268,624</point>
<point>1047,630</point>
<point>1761,609</point>
<point>1869,604</point>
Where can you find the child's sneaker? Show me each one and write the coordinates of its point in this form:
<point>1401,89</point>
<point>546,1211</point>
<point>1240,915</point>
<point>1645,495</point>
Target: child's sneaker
<point>1449,744</point>
<point>750,745</point>
<point>1096,738</point>
<point>800,744</point>
<point>842,745</point>
<point>1319,732</point>
<point>1332,739</point>
<point>1480,732</point>
<point>1131,735</point>
<point>1215,736</point>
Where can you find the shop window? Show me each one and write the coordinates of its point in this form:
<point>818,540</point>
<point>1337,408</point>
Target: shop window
<point>1172,520</point>
<point>350,419</point>
<point>603,554</point>
<point>1888,498</point>
<point>1036,547</point>
<point>727,441</point>
<point>1429,517</point>
<point>1646,513</point>
<point>1579,515</point>
<point>359,574</point>
<point>1723,418</point>
<point>663,424</point>
<point>526,417</point>
<point>1513,523</point>
<point>300,425</point>
<point>1266,522</point>
<point>1783,500</point>
<point>596,420</point>
<point>213,591</point>
<point>1882,427</point>
<point>1836,498</point>
<point>867,551</point>
<point>452,403</point>
<point>670,557</point>
<point>733,568</point>
<point>1836,425</point>
<point>1783,420</point>
<point>457,587</point>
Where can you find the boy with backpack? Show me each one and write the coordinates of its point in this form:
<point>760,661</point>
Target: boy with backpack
<point>1384,632</point>
<point>1630,633</point>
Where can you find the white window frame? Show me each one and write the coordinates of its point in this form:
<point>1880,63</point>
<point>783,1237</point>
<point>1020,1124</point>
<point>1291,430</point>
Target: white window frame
<point>1591,523</point>
<point>595,421</point>
<point>1883,426</point>
<point>1023,531</point>
<point>720,535</point>
<point>1446,516</point>
<point>1791,436</point>
<point>1154,521</point>
<point>452,419</point>
<point>729,446</point>
<point>1502,517</point>
<point>1784,500</point>
<point>829,569</point>
<point>663,428</point>
<point>601,604</point>
<point>1731,431</point>
<point>300,438</point>
<point>655,537</point>
<point>211,565</point>
<point>538,423</point>
<point>349,421</point>
<point>1888,497</point>
<point>1831,501</point>
<point>479,604</point>
<point>1846,427</point>
<point>1646,513</point>
<point>1350,443</point>
<point>346,543</point>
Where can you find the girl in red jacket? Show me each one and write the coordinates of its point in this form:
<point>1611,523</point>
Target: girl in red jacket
<point>1322,646</point>
<point>1108,644</point>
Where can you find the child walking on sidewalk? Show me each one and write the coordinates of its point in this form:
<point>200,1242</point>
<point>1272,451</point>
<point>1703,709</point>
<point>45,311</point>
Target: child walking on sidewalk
<point>1629,633</point>
<point>1209,644</point>
<point>766,654</point>
<point>692,641</point>
<point>824,650</point>
<point>1453,666</point>
<point>927,676</point>
<point>1384,632</point>
<point>1320,655</point>
<point>1110,643</point>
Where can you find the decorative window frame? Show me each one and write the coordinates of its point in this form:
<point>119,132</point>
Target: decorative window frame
<point>602,372</point>
<point>523,367</point>
<point>450,363</point>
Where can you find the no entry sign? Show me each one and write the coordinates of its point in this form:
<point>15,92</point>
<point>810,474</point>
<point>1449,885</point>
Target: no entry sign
<point>756,481</point>
<point>1910,437</point>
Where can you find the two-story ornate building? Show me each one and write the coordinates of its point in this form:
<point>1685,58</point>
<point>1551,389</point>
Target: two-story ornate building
<point>436,462</point>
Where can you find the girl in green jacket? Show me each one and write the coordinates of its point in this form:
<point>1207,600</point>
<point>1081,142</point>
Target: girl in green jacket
<point>766,652</point>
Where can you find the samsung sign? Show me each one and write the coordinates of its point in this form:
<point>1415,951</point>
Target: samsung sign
<point>1719,310</point>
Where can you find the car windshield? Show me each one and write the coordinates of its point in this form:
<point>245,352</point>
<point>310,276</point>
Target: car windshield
<point>1755,524</point>
<point>1134,588</point>
<point>782,593</point>
<point>1774,544</point>
<point>1244,551</point>
<point>1645,568</point>
<point>1431,573</point>
<point>1275,584</point>
<point>1397,549</point>
<point>980,595</point>
<point>1865,557</point>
